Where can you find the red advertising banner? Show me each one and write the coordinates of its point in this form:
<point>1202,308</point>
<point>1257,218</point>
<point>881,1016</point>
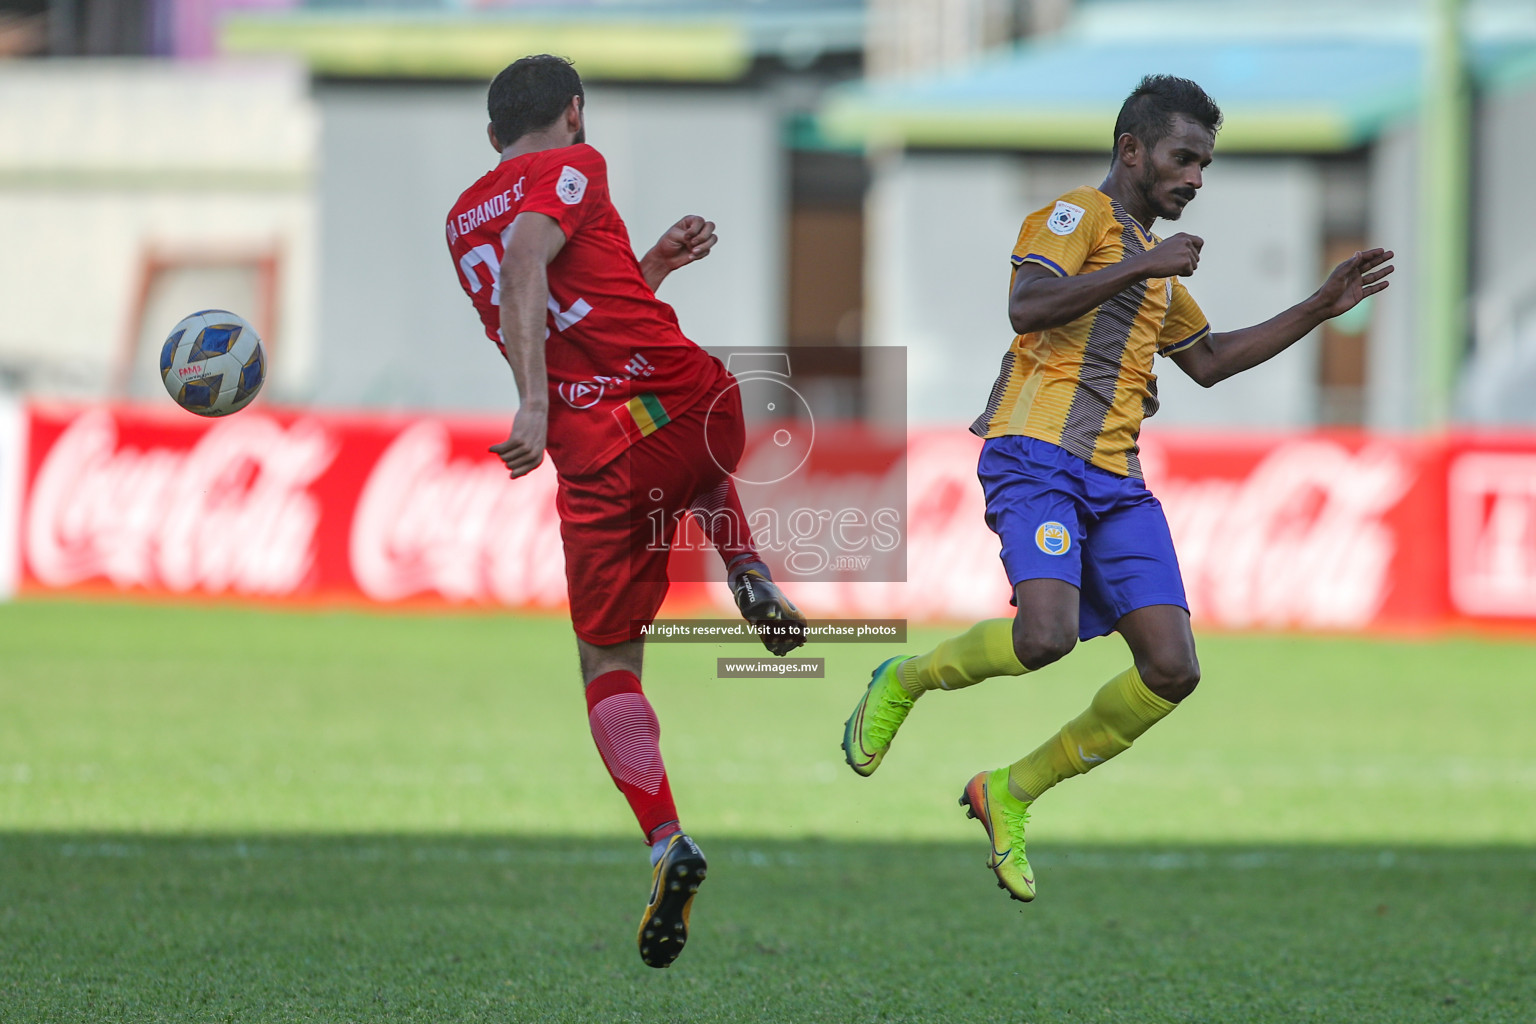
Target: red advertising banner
<point>1311,531</point>
<point>1314,531</point>
<point>284,506</point>
<point>1491,528</point>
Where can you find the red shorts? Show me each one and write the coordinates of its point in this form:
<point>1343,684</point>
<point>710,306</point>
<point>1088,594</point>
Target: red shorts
<point>611,520</point>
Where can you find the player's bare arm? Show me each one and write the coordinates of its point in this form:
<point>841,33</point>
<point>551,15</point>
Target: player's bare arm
<point>533,241</point>
<point>687,241</point>
<point>1041,300</point>
<point>1219,356</point>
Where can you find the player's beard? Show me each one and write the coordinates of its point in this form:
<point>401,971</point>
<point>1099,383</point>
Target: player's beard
<point>1163,208</point>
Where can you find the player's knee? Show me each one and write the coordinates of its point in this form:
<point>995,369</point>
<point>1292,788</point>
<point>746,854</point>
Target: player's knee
<point>1171,677</point>
<point>1037,648</point>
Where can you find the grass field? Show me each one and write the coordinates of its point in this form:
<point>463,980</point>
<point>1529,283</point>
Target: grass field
<point>231,814</point>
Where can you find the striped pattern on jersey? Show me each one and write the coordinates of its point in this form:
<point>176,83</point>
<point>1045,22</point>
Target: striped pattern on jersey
<point>1087,385</point>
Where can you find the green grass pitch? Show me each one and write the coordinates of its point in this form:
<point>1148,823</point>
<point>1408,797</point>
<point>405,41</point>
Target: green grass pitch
<point>228,814</point>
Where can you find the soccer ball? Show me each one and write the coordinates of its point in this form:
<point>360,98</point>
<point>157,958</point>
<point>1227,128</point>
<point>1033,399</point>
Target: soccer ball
<point>212,363</point>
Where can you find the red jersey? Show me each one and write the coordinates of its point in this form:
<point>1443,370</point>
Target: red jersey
<point>619,366</point>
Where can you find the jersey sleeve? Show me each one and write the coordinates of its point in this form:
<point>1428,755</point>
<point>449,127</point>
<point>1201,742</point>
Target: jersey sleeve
<point>1060,237</point>
<point>1185,324</point>
<point>567,187</point>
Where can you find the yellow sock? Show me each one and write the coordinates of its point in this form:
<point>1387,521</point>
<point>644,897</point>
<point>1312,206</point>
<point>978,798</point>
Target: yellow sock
<point>1122,710</point>
<point>981,652</point>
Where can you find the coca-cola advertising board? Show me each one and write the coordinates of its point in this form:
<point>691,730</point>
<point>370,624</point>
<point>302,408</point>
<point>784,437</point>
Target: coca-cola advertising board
<point>13,465</point>
<point>1491,528</point>
<point>286,506</point>
<point>1312,531</point>
<point>1316,531</point>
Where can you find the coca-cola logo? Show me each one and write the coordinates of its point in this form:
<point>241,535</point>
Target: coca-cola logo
<point>458,527</point>
<point>230,513</point>
<point>1301,540</point>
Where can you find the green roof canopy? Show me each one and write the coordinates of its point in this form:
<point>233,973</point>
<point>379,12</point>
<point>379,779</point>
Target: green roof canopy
<point>1297,95</point>
<point>678,41</point>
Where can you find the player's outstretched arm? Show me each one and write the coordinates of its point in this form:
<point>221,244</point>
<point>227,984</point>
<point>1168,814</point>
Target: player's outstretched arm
<point>1219,356</point>
<point>1040,300</point>
<point>533,241</point>
<point>687,241</point>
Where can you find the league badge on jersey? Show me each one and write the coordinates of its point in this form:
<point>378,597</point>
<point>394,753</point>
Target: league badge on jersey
<point>1064,219</point>
<point>571,186</point>
<point>1053,538</point>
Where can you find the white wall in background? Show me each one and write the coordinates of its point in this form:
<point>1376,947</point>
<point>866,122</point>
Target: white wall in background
<point>941,228</point>
<point>395,327</point>
<point>103,162</point>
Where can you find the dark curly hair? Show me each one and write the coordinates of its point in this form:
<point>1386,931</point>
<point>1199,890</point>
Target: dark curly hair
<point>1148,112</point>
<point>529,94</point>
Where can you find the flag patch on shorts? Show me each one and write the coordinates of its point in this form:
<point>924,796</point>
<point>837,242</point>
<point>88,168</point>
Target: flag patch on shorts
<point>648,413</point>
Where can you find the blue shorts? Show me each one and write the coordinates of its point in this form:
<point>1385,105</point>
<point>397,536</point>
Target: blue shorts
<point>1062,518</point>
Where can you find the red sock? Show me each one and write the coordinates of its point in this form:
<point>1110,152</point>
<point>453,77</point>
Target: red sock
<point>628,737</point>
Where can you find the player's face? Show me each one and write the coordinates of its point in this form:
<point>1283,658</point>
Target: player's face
<point>1173,172</point>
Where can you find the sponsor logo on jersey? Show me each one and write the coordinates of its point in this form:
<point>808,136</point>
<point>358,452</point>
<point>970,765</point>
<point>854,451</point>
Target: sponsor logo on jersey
<point>571,186</point>
<point>1053,538</point>
<point>1064,219</point>
<point>583,394</point>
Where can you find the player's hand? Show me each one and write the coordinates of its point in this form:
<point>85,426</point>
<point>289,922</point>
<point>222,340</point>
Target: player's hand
<point>687,241</point>
<point>1365,273</point>
<point>1175,256</point>
<point>523,449</point>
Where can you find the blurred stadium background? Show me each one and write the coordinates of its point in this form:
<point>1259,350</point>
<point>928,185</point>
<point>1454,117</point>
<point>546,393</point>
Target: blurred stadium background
<point>868,163</point>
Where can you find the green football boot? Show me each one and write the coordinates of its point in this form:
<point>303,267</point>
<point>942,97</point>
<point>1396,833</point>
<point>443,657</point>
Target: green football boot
<point>869,730</point>
<point>987,799</point>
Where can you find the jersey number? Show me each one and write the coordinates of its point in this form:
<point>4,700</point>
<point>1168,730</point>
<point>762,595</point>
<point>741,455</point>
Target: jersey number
<point>485,255</point>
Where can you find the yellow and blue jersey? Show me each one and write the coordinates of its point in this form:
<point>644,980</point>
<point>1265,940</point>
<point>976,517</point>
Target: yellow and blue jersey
<point>1087,385</point>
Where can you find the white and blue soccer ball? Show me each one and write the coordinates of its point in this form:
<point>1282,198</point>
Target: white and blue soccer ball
<point>212,363</point>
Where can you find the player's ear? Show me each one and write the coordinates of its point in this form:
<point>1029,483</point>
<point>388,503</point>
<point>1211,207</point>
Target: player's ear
<point>1128,149</point>
<point>573,114</point>
<point>490,133</point>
